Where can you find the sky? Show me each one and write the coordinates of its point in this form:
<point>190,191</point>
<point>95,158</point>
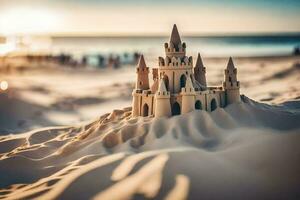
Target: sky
<point>147,17</point>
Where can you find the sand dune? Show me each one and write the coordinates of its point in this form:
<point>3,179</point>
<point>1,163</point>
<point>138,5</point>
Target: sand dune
<point>248,150</point>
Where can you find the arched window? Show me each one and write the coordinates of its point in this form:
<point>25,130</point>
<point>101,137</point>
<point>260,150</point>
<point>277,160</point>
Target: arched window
<point>176,109</point>
<point>145,110</point>
<point>229,78</point>
<point>182,81</point>
<point>166,80</point>
<point>213,104</point>
<point>198,105</point>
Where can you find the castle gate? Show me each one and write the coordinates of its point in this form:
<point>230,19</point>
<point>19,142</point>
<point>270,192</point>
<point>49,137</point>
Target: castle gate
<point>198,105</point>
<point>145,110</point>
<point>176,109</point>
<point>213,104</point>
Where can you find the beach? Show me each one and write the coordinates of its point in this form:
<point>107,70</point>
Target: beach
<point>53,95</point>
<point>164,100</point>
<point>68,134</point>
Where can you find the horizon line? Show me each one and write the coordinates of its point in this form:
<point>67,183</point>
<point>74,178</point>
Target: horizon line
<point>140,35</point>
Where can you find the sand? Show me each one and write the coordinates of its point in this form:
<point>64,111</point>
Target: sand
<point>248,150</point>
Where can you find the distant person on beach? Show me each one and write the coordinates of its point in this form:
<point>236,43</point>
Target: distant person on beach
<point>101,60</point>
<point>84,60</point>
<point>297,51</point>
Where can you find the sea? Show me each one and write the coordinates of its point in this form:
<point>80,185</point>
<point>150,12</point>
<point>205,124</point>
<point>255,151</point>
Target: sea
<point>210,46</point>
<point>128,47</point>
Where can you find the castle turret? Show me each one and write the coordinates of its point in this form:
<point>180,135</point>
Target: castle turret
<point>142,82</point>
<point>175,48</point>
<point>162,104</point>
<point>230,84</point>
<point>199,71</point>
<point>188,97</point>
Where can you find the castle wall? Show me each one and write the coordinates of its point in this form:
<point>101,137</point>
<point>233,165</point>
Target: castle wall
<point>205,98</point>
<point>162,106</point>
<point>176,98</point>
<point>143,103</point>
<point>136,103</point>
<point>232,96</point>
<point>213,100</point>
<point>201,96</point>
<point>222,99</point>
<point>147,99</point>
<point>188,103</point>
<point>174,74</point>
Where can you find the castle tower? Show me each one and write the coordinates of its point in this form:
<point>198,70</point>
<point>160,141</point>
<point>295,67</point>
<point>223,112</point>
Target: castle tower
<point>230,84</point>
<point>175,48</point>
<point>176,67</point>
<point>162,104</point>
<point>135,103</point>
<point>188,97</point>
<point>199,71</point>
<point>142,82</point>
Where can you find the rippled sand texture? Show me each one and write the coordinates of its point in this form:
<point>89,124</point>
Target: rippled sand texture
<point>248,150</point>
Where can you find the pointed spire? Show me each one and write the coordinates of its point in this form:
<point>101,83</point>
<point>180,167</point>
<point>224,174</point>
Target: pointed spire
<point>199,63</point>
<point>175,38</point>
<point>230,64</point>
<point>141,63</point>
<point>162,86</point>
<point>189,84</point>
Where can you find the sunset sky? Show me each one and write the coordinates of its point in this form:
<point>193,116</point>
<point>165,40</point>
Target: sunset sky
<point>136,17</point>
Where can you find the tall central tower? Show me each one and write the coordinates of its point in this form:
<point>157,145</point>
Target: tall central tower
<point>176,66</point>
<point>175,48</point>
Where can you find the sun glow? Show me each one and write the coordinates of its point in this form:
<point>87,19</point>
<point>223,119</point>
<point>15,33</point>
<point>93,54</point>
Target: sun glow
<point>26,20</point>
<point>3,85</point>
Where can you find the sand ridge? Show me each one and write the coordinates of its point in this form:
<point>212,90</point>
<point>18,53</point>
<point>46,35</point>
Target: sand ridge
<point>200,154</point>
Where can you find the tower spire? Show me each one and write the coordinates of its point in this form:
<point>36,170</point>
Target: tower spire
<point>199,62</point>
<point>230,64</point>
<point>175,48</point>
<point>231,84</point>
<point>175,37</point>
<point>141,63</point>
<point>142,71</point>
<point>199,71</point>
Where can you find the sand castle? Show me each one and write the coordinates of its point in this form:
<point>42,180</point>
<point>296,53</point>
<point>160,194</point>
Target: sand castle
<point>179,87</point>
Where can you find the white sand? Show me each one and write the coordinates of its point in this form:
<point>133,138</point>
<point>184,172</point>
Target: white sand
<point>248,150</point>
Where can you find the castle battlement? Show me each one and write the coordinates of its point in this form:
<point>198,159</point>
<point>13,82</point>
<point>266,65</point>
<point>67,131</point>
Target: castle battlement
<point>145,70</point>
<point>231,85</point>
<point>179,87</point>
